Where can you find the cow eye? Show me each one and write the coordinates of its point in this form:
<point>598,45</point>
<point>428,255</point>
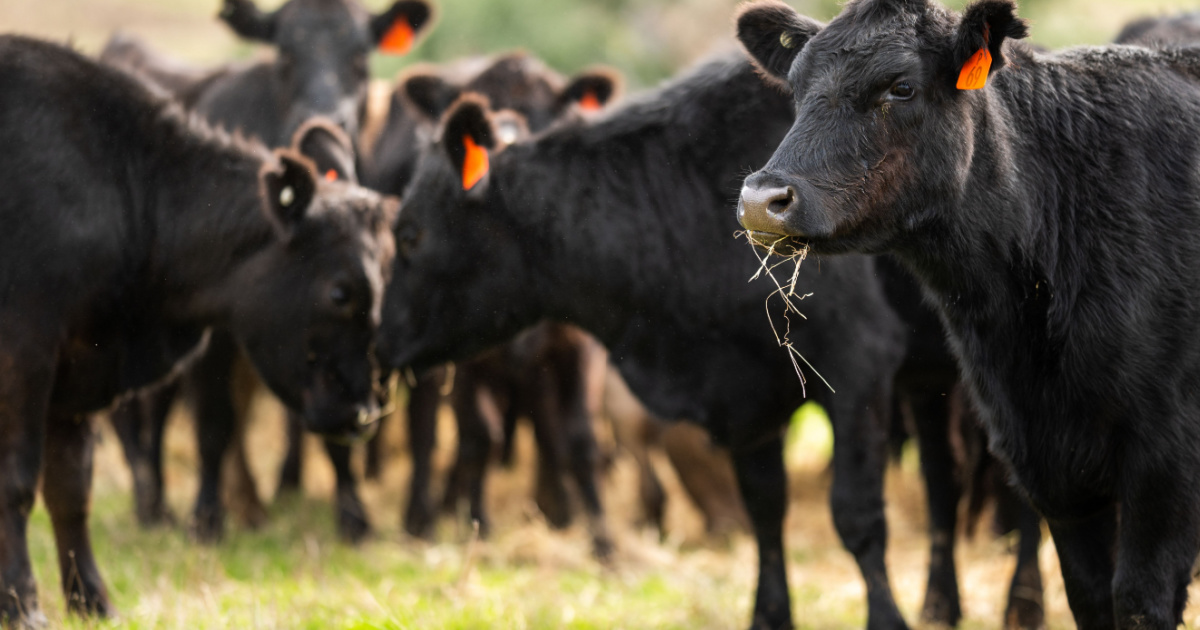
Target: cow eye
<point>900,91</point>
<point>339,295</point>
<point>408,237</point>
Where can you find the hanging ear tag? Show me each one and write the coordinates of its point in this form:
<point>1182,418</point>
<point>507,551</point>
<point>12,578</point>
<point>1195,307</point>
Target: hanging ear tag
<point>399,39</point>
<point>589,102</point>
<point>975,71</point>
<point>475,163</point>
<point>331,175</point>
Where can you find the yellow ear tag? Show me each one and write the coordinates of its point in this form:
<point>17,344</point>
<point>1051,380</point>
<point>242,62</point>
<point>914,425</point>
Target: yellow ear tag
<point>975,71</point>
<point>399,39</point>
<point>475,163</point>
<point>589,102</point>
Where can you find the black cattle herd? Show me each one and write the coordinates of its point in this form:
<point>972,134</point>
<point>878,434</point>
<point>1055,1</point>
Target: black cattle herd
<point>1002,242</point>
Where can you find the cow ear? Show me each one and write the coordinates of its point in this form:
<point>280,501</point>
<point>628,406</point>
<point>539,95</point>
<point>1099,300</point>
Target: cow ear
<point>396,30</point>
<point>773,34</point>
<point>591,90</point>
<point>468,136</point>
<point>248,21</point>
<point>287,190</point>
<point>977,48</point>
<point>329,148</point>
<point>431,93</point>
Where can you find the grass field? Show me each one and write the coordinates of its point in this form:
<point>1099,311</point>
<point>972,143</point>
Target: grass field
<point>294,574</point>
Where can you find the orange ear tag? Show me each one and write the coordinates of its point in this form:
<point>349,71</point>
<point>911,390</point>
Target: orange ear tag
<point>331,175</point>
<point>475,163</point>
<point>399,39</point>
<point>589,102</point>
<point>975,71</point>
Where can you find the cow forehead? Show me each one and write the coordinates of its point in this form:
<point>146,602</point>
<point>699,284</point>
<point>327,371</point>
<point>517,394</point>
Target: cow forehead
<point>849,50</point>
<point>301,20</point>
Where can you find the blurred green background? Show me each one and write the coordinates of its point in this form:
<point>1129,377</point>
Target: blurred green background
<point>645,39</point>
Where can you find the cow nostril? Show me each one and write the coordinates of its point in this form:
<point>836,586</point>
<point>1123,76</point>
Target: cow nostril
<point>782,202</point>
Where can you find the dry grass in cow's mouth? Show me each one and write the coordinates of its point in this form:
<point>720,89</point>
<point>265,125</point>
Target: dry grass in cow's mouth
<point>787,250</point>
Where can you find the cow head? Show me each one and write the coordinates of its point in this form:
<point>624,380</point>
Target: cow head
<point>886,98</point>
<point>458,252</point>
<point>321,68</point>
<point>516,82</point>
<point>317,293</point>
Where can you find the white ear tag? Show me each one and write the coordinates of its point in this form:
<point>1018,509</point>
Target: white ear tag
<point>287,196</point>
<point>508,132</point>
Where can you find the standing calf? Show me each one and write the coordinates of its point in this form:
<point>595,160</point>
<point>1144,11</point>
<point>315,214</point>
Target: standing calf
<point>130,229</point>
<point>1050,206</point>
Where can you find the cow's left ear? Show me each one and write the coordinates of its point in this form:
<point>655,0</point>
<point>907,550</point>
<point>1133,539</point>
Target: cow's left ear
<point>773,33</point>
<point>468,136</point>
<point>287,190</point>
<point>591,90</point>
<point>248,21</point>
<point>396,30</point>
<point>329,148</point>
<point>984,27</point>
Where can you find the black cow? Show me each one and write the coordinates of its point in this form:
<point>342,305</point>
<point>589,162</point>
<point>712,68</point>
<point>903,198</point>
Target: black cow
<point>1053,218</point>
<point>131,227</point>
<point>320,70</point>
<point>1175,30</point>
<point>624,228</point>
<point>546,375</point>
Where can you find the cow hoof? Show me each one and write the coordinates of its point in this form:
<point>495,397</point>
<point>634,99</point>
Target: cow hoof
<point>208,527</point>
<point>941,611</point>
<point>418,520</point>
<point>353,526</point>
<point>155,517</point>
<point>602,549</point>
<point>31,620</point>
<point>89,601</point>
<point>1024,614</point>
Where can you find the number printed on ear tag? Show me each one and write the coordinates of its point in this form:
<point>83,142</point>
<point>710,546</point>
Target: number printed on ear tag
<point>975,72</point>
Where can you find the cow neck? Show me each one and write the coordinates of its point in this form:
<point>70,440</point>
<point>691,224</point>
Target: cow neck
<point>207,213</point>
<point>1027,273</point>
<point>630,219</point>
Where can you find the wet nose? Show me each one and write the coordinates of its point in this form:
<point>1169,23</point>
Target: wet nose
<point>763,209</point>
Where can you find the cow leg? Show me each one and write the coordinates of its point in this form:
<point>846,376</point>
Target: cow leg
<point>376,446</point>
<point>706,476</point>
<point>207,386</point>
<point>423,400</point>
<point>763,482</point>
<point>239,490</point>
<point>1085,551</point>
<point>25,385</point>
<point>477,413</point>
<point>1158,539</point>
<point>1025,610</point>
<point>943,491</point>
<point>66,489</point>
<point>139,422</point>
<point>353,526</point>
<point>292,469</point>
<point>859,462</point>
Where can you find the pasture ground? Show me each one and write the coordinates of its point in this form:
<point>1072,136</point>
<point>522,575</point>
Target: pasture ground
<point>294,573</point>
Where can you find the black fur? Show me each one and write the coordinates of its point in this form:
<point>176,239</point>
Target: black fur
<point>1053,218</point>
<point>624,228</point>
<point>131,227</point>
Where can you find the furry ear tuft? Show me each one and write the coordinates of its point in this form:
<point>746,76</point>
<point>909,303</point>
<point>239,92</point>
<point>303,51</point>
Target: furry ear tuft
<point>431,93</point>
<point>468,135</point>
<point>592,90</point>
<point>395,31</point>
<point>328,147</point>
<point>287,190</point>
<point>773,34</point>
<point>987,23</point>
<point>248,21</point>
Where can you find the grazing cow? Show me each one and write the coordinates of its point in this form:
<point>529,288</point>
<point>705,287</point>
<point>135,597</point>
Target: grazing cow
<point>1050,206</point>
<point>133,227</point>
<point>320,70</point>
<point>546,375</point>
<point>624,228</point>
